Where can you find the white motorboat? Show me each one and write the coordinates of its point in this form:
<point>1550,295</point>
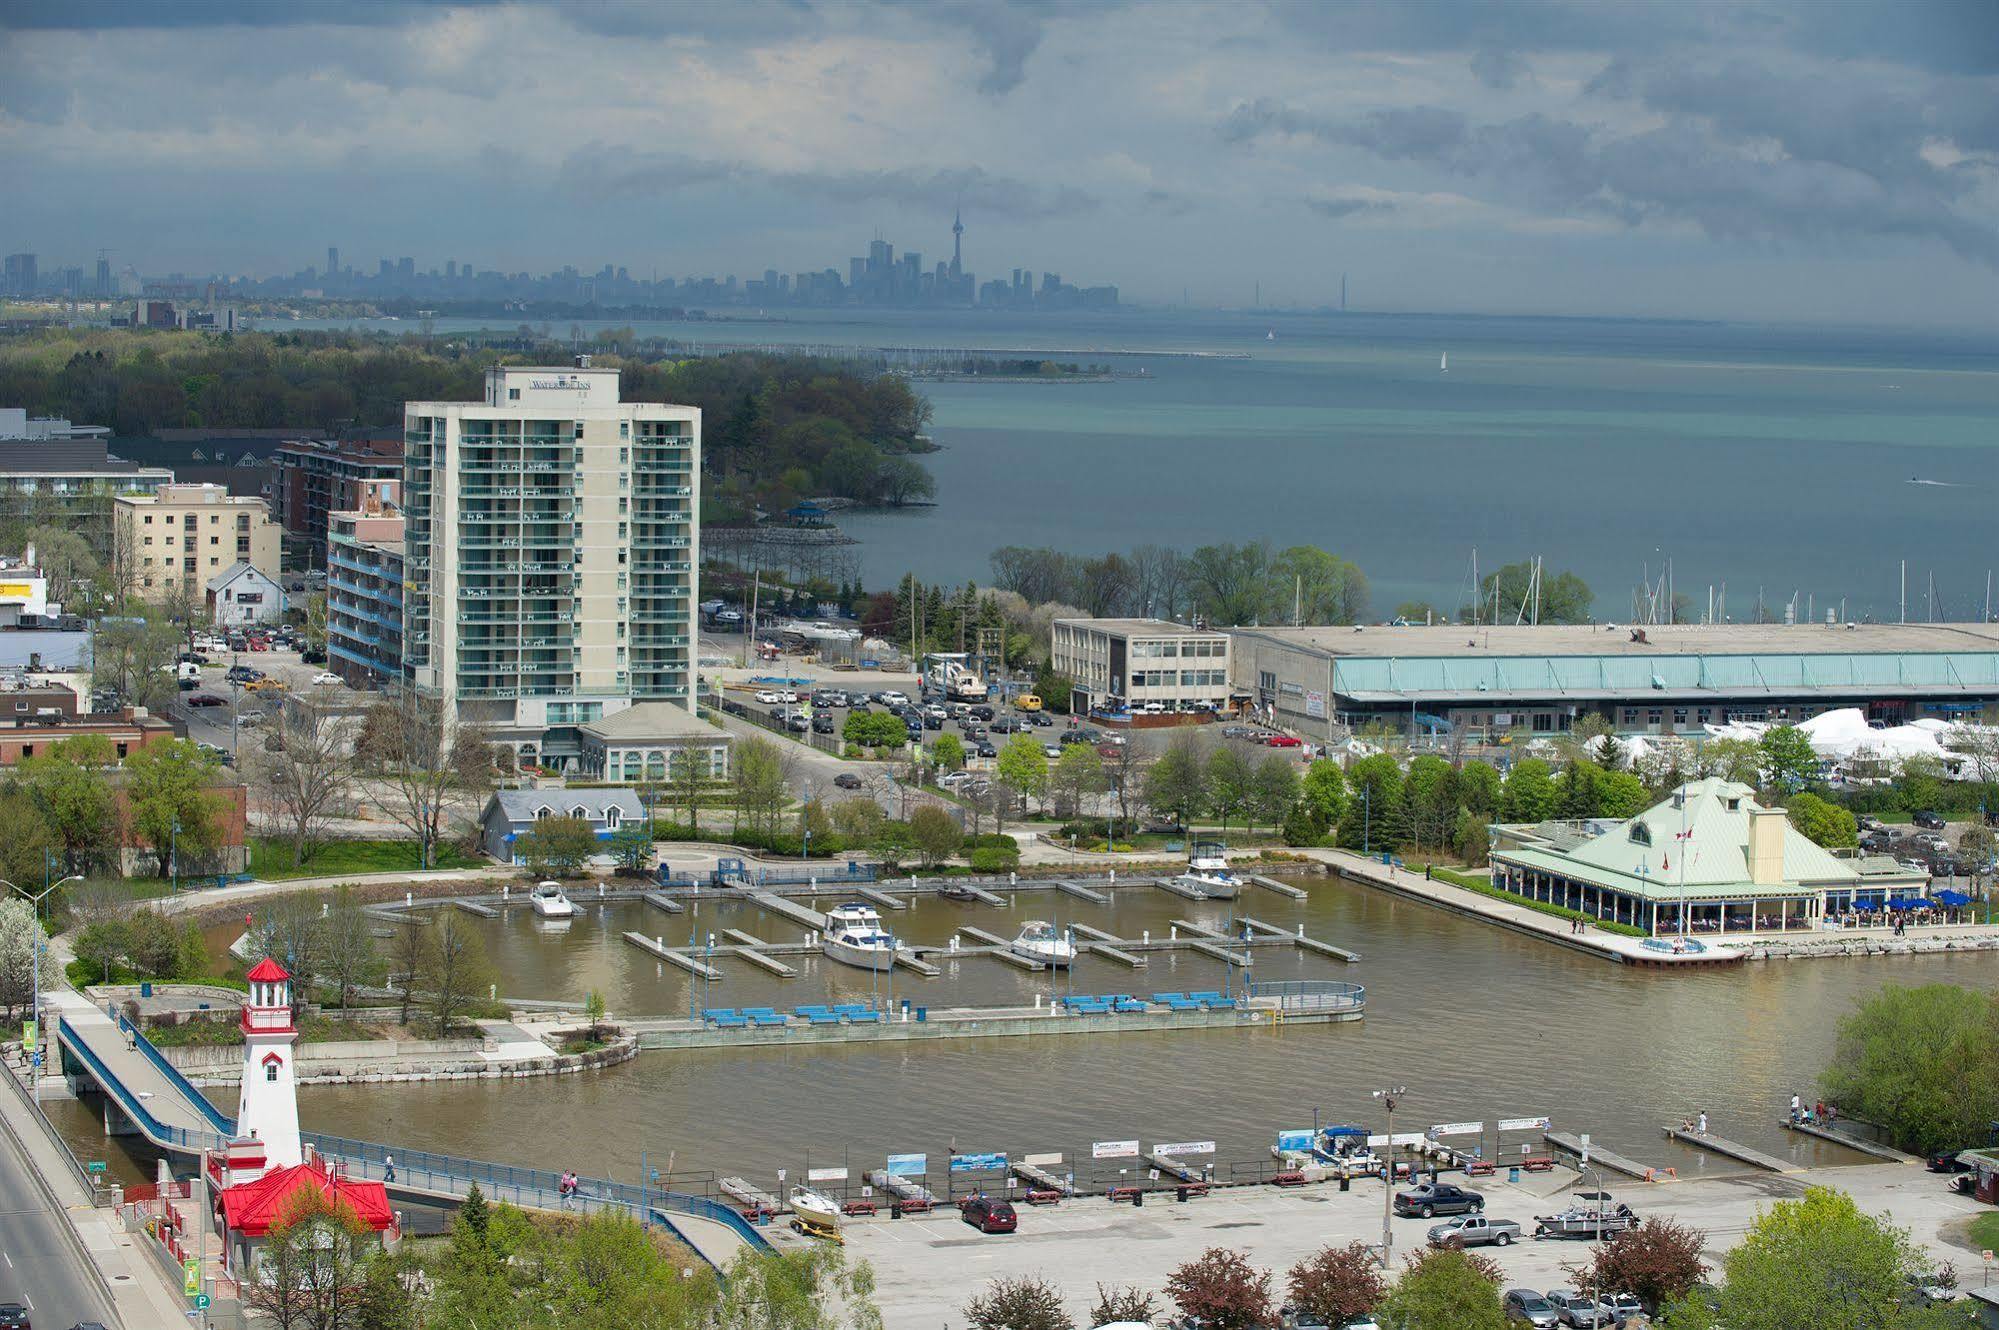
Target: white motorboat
<point>854,936</point>
<point>549,902</point>
<point>1208,872</point>
<point>1039,941</point>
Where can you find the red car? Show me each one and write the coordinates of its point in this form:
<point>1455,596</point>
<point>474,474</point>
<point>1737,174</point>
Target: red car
<point>205,700</point>
<point>989,1216</point>
<point>1285,741</point>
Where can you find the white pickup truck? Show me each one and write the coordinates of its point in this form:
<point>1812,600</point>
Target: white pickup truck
<point>1474,1231</point>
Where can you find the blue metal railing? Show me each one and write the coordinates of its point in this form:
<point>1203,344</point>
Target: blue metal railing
<point>199,1101</point>
<point>129,1104</point>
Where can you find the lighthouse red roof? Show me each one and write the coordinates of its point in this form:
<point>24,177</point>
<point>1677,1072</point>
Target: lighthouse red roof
<point>268,971</point>
<point>252,1207</point>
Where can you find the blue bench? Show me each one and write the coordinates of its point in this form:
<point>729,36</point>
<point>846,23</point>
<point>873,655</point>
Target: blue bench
<point>1125,1002</point>
<point>863,1017</point>
<point>716,1013</point>
<point>1210,995</point>
<point>1080,1000</point>
<point>729,1021</point>
<point>819,1015</point>
<point>765,1018</point>
<point>754,1012</point>
<point>1219,1004</point>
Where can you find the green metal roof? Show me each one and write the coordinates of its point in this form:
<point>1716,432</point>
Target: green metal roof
<point>1585,677</point>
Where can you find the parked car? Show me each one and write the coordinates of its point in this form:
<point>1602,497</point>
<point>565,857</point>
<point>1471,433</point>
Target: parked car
<point>1474,1230</point>
<point>1008,725</point>
<point>767,696</point>
<point>1946,1161</point>
<point>1624,1307</point>
<point>989,1216</point>
<point>1927,820</point>
<point>1073,737</point>
<point>264,686</point>
<point>1285,741</point>
<point>312,656</point>
<point>985,749</point>
<point>243,674</point>
<point>1530,1308</point>
<point>1867,822</point>
<point>1579,1309</point>
<point>1438,1198</point>
<point>822,722</point>
<point>799,723</point>
<point>1296,1318</point>
<point>847,780</point>
<point>326,676</point>
<point>206,700</point>
<point>13,1316</point>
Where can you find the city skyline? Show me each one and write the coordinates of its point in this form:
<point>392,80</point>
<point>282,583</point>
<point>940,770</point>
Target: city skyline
<point>1772,159</point>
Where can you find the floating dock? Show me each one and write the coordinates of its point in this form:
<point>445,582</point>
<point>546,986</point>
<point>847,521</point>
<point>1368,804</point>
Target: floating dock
<point>673,956</point>
<point>901,1188</point>
<point>473,907</point>
<point>881,898</point>
<point>1179,889</point>
<point>980,894</point>
<point>1173,1168</point>
<point>661,901</point>
<point>1571,1144</point>
<point>998,947</point>
<point>785,909</point>
<point>1875,1148</point>
<point>759,957</point>
<point>1097,941</point>
<point>1081,892</point>
<point>1036,1176</point>
<point>1731,1150</point>
<point>1299,940</point>
<point>1272,884</point>
<point>742,1192</point>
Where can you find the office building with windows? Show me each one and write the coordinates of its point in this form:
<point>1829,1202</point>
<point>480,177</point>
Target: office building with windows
<point>169,544</point>
<point>550,549</point>
<point>1140,665</point>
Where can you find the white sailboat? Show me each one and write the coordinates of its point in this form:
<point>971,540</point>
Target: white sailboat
<point>1444,363</point>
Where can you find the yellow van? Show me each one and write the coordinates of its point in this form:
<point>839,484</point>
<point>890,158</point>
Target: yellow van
<point>1028,702</point>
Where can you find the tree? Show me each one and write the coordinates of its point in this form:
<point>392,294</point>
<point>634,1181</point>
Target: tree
<point>1576,792</point>
<point>68,784</point>
<point>26,843</point>
<point>315,621</point>
<point>1430,800</point>
<point>797,1291</point>
<point>1922,1062</point>
<point>20,932</point>
<point>347,949</point>
<point>593,1010</point>
<point>1564,598</point>
<point>1130,1303</point>
<point>430,761</point>
<point>892,842</point>
<point>762,785</point>
<point>856,818</point>
<point>1173,785</point>
<point>100,944</point>
<point>874,729</point>
<point>310,1264</point>
<point>1374,804</point>
<point>1339,1284</point>
<point>1273,789</point>
<point>1659,1261</point>
<point>1788,758</point>
<point>1232,584</point>
<point>935,832</point>
<point>173,808</point>
<point>1023,1303</point>
<point>152,944</point>
<point>387,1298</point>
<point>1529,794</point>
<point>631,846</point>
<point>291,929</point>
<point>410,955</point>
<point>1323,794</point>
<point>1023,767</point>
<point>457,970</point>
<point>1818,1261</point>
<point>1222,1290</point>
<point>1445,1288</point>
<point>304,776</point>
<point>1738,760</point>
<point>949,751</point>
<point>1227,783</point>
<point>1821,821</point>
<point>67,560</point>
<point>1318,587</point>
<point>903,481</point>
<point>557,846</point>
<point>1620,794</point>
<point>1078,774</point>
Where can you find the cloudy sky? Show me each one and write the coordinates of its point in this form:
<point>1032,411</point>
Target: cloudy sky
<point>1809,160</point>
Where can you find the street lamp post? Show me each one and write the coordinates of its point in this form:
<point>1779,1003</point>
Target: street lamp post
<point>35,982</point>
<point>1388,1098</point>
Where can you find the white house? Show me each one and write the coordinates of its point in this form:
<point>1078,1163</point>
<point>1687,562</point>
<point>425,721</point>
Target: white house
<point>511,812</point>
<point>243,595</point>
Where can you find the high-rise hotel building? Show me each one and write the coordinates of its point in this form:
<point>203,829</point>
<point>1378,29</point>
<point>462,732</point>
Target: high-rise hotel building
<point>551,551</point>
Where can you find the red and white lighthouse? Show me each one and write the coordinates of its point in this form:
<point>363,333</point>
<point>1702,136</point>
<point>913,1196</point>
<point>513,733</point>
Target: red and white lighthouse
<point>268,1108</point>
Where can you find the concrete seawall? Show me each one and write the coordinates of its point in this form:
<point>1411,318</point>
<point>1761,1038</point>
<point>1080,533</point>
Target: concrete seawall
<point>371,1061</point>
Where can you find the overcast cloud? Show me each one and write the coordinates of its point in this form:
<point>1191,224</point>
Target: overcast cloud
<point>1781,159</point>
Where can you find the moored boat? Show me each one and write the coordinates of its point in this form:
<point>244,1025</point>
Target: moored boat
<point>549,902</point>
<point>854,936</point>
<point>1208,871</point>
<point>1038,940</point>
<point>815,1215</point>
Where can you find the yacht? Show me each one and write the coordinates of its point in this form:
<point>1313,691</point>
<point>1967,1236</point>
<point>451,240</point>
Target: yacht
<point>549,902</point>
<point>854,936</point>
<point>1038,941</point>
<point>1208,872</point>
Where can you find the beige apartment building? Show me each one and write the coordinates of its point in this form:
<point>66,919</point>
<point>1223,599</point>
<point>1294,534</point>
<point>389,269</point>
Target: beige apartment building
<point>550,551</point>
<point>171,543</point>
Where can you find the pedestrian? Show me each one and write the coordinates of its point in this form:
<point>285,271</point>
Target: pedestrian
<point>1700,1123</point>
<point>1426,872</point>
<point>1794,1107</point>
<point>1818,1111</point>
<point>388,1168</point>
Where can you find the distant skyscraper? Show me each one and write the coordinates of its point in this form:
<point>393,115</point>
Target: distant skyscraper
<point>332,260</point>
<point>22,274</point>
<point>958,243</point>
<point>104,283</point>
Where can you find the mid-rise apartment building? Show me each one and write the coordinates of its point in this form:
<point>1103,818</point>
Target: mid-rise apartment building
<point>364,597</point>
<point>550,550</point>
<point>320,477</point>
<point>170,543</point>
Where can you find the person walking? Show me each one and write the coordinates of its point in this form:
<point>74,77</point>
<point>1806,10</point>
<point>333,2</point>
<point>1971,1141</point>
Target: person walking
<point>1795,1105</point>
<point>1700,1123</point>
<point>388,1168</point>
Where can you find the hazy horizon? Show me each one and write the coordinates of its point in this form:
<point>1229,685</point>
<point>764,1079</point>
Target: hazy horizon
<point>1767,161</point>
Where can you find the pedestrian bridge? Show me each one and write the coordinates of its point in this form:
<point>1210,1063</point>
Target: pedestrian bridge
<point>145,1095</point>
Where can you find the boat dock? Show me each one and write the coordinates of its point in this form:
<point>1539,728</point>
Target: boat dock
<point>881,898</point>
<point>759,957</point>
<point>1729,1149</point>
<point>661,901</point>
<point>980,894</point>
<point>1036,1176</point>
<point>1210,943</point>
<point>756,1199</point>
<point>992,944</point>
<point>474,908</point>
<point>1103,944</point>
<point>1173,1168</point>
<point>1571,1144</point>
<point>1179,888</point>
<point>785,909</point>
<point>1875,1148</point>
<point>1272,884</point>
<point>1299,940</point>
<point>1081,892</point>
<point>672,955</point>
<point>903,1189</point>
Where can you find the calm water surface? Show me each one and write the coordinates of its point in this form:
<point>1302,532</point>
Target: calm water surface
<point>1477,1022</point>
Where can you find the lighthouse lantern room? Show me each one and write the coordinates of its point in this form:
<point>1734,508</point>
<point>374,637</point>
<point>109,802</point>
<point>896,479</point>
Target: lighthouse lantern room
<point>268,1108</point>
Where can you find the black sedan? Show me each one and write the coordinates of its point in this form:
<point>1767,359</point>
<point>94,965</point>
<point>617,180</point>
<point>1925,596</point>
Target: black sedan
<point>1438,1198</point>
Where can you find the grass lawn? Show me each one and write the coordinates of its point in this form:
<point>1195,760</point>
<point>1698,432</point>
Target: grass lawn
<point>1482,884</point>
<point>1985,1231</point>
<point>271,858</point>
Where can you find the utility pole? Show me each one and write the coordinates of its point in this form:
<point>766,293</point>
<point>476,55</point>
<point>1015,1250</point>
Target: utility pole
<point>35,970</point>
<point>1388,1098</point>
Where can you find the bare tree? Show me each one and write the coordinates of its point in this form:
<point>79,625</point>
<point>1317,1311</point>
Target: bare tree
<point>457,972</point>
<point>305,774</point>
<point>1126,773</point>
<point>428,759</point>
<point>409,955</point>
<point>347,945</point>
<point>291,930</point>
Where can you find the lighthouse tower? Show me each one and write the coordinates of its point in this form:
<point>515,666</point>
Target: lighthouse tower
<point>268,1109</point>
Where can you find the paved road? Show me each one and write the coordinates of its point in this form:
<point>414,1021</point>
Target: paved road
<point>39,1265</point>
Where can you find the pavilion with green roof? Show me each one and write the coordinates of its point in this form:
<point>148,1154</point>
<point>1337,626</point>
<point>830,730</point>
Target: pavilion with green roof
<point>1707,859</point>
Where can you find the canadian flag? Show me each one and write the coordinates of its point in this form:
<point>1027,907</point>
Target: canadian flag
<point>1682,835</point>
<point>1665,862</point>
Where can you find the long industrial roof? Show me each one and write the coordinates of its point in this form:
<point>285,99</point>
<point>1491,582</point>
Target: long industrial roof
<point>1731,639</point>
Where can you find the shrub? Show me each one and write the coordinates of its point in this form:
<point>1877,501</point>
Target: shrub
<point>991,859</point>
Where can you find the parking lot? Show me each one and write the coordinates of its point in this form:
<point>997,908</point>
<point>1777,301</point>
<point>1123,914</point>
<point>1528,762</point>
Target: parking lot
<point>241,707</point>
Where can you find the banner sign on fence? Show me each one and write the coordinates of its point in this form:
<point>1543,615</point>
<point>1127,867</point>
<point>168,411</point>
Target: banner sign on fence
<point>28,1032</point>
<point>1185,1148</point>
<point>1525,1124</point>
<point>1458,1129</point>
<point>907,1166</point>
<point>190,1276</point>
<point>1114,1150</point>
<point>977,1163</point>
<point>1401,1138</point>
<point>1042,1160</point>
<point>1294,1140</point>
<point>825,1175</point>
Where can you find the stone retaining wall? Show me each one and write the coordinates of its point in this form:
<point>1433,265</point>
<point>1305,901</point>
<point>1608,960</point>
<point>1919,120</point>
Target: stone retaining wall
<point>372,1062</point>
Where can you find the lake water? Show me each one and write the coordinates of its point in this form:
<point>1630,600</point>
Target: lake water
<point>1479,1023</point>
<point>1759,457</point>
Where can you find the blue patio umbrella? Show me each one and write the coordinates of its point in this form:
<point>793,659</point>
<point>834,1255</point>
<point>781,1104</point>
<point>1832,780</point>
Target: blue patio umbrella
<point>1952,898</point>
<point>1907,902</point>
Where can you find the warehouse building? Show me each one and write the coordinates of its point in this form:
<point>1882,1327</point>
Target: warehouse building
<point>1492,684</point>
